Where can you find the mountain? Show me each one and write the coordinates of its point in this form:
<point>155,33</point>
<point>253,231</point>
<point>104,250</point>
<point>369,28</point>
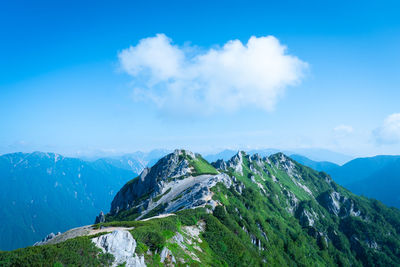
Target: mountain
<point>46,192</point>
<point>136,161</point>
<point>361,168</point>
<point>316,165</point>
<point>383,184</point>
<point>247,211</point>
<point>376,177</point>
<point>319,154</point>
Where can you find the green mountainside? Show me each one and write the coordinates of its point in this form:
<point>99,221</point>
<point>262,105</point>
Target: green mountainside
<point>248,211</point>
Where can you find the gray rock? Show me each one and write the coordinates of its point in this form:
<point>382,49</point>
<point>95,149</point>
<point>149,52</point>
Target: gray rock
<point>122,246</point>
<point>46,239</point>
<point>257,159</point>
<point>220,164</point>
<point>339,205</point>
<point>307,218</point>
<point>100,218</point>
<point>166,254</point>
<point>152,180</point>
<point>236,162</point>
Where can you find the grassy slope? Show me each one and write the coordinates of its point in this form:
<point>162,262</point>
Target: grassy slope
<point>79,251</point>
<point>200,165</point>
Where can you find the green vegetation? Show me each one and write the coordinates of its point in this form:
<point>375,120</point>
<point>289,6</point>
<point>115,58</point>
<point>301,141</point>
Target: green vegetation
<point>154,233</point>
<point>156,211</point>
<point>79,251</point>
<point>124,215</point>
<point>200,165</point>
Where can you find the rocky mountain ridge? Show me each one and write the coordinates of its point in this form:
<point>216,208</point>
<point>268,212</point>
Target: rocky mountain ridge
<point>249,210</point>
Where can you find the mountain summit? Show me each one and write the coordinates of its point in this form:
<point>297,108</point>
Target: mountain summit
<point>246,211</point>
<point>178,181</point>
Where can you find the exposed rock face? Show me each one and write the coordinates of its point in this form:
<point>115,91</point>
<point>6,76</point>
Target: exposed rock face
<point>220,164</point>
<point>236,162</point>
<point>86,230</point>
<point>307,218</point>
<point>166,256</point>
<point>334,202</point>
<point>256,158</point>
<point>191,236</point>
<point>339,205</point>
<point>291,201</point>
<point>122,246</point>
<point>100,218</point>
<point>372,244</point>
<point>190,192</point>
<point>152,180</point>
<point>46,239</point>
<point>285,163</point>
<point>238,185</point>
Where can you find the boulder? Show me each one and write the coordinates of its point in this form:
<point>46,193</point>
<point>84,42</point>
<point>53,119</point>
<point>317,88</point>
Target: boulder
<point>122,246</point>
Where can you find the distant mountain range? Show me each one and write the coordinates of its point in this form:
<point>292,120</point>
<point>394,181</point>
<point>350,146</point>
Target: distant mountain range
<point>375,177</point>
<point>136,161</point>
<point>46,192</point>
<point>316,165</point>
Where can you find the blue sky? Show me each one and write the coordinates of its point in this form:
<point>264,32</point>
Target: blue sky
<point>62,87</point>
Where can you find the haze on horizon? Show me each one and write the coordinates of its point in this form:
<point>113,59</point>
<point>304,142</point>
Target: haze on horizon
<point>84,78</point>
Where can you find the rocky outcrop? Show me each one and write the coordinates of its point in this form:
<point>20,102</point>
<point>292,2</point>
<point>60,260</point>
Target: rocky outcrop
<point>284,163</point>
<point>122,246</point>
<point>166,256</point>
<point>46,239</point>
<point>238,185</point>
<point>86,230</point>
<point>291,201</point>
<point>100,218</point>
<point>191,192</point>
<point>257,159</point>
<point>338,204</point>
<point>220,164</point>
<point>236,162</point>
<point>307,218</point>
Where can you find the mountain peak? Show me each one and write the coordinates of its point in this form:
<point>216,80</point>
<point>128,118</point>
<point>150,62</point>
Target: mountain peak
<point>184,153</point>
<point>169,177</point>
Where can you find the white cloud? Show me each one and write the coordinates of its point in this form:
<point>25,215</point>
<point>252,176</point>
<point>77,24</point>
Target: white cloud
<point>389,132</point>
<point>343,130</point>
<point>219,79</point>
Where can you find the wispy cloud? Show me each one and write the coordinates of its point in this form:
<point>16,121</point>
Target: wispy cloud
<point>184,79</point>
<point>389,132</point>
<point>343,130</point>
